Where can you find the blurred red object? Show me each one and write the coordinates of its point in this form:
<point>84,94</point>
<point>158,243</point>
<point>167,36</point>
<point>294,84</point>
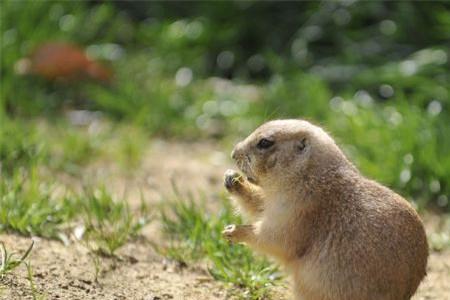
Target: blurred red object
<point>62,61</point>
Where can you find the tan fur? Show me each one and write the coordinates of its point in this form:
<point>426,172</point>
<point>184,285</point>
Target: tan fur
<point>338,234</point>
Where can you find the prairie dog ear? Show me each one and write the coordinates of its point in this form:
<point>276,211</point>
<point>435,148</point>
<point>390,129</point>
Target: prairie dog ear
<point>301,145</point>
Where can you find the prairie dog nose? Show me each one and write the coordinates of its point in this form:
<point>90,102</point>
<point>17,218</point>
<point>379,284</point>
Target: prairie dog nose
<point>236,152</point>
<point>233,154</point>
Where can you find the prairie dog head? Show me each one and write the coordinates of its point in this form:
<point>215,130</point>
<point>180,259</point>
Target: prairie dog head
<point>280,152</point>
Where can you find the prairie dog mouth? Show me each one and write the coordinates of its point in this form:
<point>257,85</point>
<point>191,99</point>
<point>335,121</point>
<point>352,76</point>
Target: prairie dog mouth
<point>245,168</point>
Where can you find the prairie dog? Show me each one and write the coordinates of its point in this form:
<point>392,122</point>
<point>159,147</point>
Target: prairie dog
<point>339,235</point>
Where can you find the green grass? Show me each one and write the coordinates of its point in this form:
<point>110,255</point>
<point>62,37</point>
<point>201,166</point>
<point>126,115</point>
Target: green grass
<point>59,145</point>
<point>194,234</point>
<point>30,207</point>
<point>19,146</point>
<point>34,291</point>
<point>8,262</point>
<point>109,223</point>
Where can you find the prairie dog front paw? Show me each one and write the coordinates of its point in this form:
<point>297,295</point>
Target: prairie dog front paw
<point>229,231</point>
<point>233,180</point>
<point>234,233</point>
<point>237,233</point>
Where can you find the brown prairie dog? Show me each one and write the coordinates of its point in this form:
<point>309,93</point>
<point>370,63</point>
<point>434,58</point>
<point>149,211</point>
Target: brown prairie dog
<point>339,235</point>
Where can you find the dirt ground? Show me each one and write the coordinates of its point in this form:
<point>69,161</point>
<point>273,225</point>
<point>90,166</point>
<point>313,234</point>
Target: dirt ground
<point>69,271</point>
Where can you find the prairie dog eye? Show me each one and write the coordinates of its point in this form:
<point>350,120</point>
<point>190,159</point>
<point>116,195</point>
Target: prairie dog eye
<point>264,144</point>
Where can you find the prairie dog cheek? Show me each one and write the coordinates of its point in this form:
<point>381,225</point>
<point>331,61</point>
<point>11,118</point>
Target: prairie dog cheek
<point>271,162</point>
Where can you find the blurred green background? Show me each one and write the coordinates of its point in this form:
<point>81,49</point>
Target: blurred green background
<point>375,74</point>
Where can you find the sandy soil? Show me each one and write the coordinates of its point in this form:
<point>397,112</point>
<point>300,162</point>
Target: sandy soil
<point>69,272</point>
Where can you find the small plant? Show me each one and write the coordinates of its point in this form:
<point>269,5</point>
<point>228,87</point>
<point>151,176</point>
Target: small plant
<point>195,234</point>
<point>8,262</point>
<point>109,223</point>
<point>97,265</point>
<point>34,292</point>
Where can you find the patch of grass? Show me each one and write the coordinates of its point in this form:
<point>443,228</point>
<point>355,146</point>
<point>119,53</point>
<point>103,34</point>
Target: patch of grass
<point>29,208</point>
<point>195,234</point>
<point>58,145</point>
<point>8,262</point>
<point>19,146</point>
<point>109,223</point>
<point>74,149</point>
<point>126,144</point>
